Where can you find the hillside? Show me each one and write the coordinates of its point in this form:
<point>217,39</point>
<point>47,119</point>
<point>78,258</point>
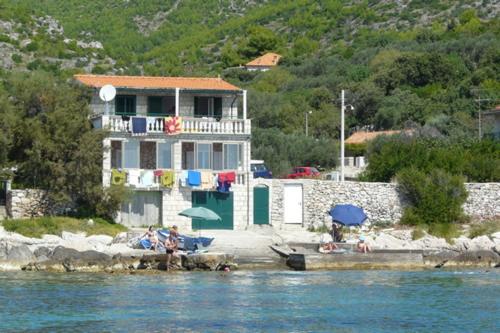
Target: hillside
<point>404,63</point>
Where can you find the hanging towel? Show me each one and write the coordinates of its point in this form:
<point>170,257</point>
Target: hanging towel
<point>167,179</point>
<point>223,187</point>
<point>172,125</point>
<point>134,177</point>
<point>227,177</point>
<point>194,178</point>
<point>138,125</point>
<point>207,181</point>
<point>183,178</point>
<point>118,177</point>
<point>158,173</point>
<point>147,178</point>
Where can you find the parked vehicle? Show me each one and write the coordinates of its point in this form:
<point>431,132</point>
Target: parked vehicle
<point>304,172</point>
<point>260,170</point>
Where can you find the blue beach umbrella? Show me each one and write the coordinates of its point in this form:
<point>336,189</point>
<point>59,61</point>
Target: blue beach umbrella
<point>348,215</point>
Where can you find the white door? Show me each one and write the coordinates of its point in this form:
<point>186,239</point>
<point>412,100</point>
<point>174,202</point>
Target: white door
<point>143,209</point>
<point>293,203</point>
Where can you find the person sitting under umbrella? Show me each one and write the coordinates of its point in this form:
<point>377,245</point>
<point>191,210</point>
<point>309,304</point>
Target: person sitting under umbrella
<point>362,246</point>
<point>172,245</point>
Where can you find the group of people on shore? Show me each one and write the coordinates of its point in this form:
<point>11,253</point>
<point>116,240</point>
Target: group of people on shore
<point>171,243</point>
<point>335,235</point>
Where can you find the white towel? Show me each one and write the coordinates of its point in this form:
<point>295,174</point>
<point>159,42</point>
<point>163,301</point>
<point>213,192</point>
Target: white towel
<point>134,177</point>
<point>183,178</point>
<point>147,178</point>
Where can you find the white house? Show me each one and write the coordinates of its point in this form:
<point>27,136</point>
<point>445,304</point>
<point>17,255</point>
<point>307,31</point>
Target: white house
<point>177,142</point>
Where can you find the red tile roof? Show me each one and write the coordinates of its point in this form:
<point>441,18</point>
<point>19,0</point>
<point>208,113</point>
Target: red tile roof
<point>155,82</point>
<point>267,60</point>
<point>362,136</point>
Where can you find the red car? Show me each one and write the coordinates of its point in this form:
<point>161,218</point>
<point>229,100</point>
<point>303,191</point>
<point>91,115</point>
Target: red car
<point>304,172</point>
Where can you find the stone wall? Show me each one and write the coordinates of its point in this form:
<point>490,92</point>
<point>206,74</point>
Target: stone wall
<point>26,203</point>
<point>380,201</point>
<point>483,201</point>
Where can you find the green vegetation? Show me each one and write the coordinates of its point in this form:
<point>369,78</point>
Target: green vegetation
<point>435,200</point>
<point>38,227</point>
<point>485,228</point>
<point>478,161</point>
<point>47,138</point>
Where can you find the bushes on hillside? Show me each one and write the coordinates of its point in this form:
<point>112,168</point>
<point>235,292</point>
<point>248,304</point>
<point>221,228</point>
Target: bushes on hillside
<point>433,198</point>
<point>477,161</point>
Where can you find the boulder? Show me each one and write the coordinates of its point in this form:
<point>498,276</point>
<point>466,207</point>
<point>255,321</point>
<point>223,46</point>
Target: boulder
<point>429,242</point>
<point>15,253</point>
<point>207,261</point>
<point>61,253</point>
<point>386,241</point>
<point>462,243</point>
<point>99,242</point>
<point>482,243</point>
<point>122,237</point>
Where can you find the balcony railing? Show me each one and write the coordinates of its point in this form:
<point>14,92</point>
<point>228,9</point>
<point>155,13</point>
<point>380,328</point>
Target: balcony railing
<point>189,125</point>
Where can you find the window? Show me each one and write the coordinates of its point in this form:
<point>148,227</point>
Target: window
<point>148,155</point>
<point>231,156</point>
<point>131,156</point>
<point>125,105</point>
<point>161,105</point>
<point>217,156</point>
<point>203,154</point>
<point>164,155</point>
<point>208,107</point>
<point>188,155</point>
<point>116,154</point>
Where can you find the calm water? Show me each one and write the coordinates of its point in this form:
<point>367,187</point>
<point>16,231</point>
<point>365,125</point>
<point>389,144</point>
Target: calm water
<point>276,301</point>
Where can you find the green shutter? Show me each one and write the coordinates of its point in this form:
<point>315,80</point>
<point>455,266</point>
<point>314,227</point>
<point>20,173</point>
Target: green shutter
<point>261,205</point>
<point>220,203</point>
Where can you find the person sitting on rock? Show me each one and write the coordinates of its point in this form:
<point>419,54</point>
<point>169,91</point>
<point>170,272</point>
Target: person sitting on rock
<point>362,246</point>
<point>172,245</point>
<point>326,244</point>
<point>151,236</point>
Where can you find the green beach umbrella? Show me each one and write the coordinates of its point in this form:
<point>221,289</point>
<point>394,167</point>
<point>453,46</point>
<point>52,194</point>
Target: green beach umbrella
<point>200,214</point>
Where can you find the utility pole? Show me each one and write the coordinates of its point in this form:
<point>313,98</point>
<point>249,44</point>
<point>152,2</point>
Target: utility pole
<point>342,110</point>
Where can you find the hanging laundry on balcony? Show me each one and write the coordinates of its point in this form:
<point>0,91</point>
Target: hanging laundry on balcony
<point>227,177</point>
<point>223,187</point>
<point>194,178</point>
<point>147,178</point>
<point>167,179</point>
<point>158,173</point>
<point>138,126</point>
<point>183,178</point>
<point>134,177</point>
<point>173,125</point>
<point>207,180</point>
<point>118,177</point>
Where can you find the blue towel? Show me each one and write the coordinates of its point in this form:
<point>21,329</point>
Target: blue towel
<point>146,244</point>
<point>138,125</point>
<point>194,178</point>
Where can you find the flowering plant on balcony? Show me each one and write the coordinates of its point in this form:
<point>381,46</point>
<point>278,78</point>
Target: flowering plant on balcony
<point>173,125</point>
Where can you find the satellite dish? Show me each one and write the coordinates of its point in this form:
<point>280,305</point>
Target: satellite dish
<point>107,93</point>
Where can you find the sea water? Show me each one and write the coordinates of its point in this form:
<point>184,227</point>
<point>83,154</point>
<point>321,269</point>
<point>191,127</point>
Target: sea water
<point>252,301</point>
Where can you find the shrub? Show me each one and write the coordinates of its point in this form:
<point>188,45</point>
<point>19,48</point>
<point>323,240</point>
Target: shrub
<point>485,228</point>
<point>433,198</point>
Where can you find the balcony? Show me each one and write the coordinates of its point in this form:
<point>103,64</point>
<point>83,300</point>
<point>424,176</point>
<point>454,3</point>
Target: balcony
<point>119,124</point>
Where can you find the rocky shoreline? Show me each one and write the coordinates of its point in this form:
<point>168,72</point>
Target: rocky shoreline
<point>99,253</point>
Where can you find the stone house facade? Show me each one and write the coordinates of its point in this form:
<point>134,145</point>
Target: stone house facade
<point>176,126</point>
